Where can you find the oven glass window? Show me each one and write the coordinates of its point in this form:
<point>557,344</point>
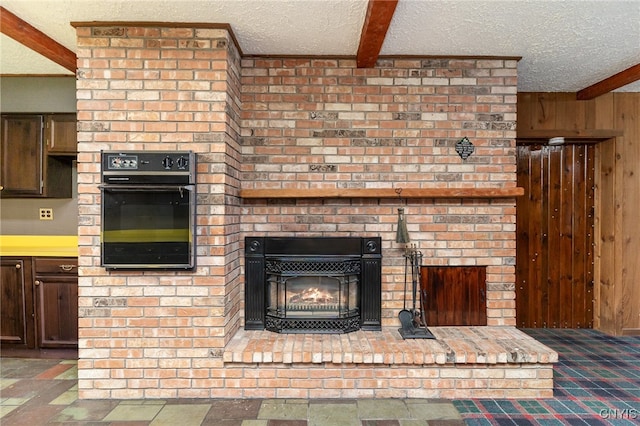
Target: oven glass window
<point>148,228</point>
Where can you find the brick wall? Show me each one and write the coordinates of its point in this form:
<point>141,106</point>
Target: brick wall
<point>319,123</point>
<point>284,123</point>
<point>147,88</point>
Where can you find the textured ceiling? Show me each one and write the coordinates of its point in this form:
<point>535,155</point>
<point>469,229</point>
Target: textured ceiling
<point>565,46</point>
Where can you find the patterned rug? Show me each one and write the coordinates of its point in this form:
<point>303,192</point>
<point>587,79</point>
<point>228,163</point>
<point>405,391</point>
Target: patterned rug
<point>596,382</point>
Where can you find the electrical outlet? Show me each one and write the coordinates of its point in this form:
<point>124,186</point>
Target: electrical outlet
<point>46,214</point>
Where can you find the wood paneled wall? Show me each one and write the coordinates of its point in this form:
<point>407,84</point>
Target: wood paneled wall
<point>617,217</point>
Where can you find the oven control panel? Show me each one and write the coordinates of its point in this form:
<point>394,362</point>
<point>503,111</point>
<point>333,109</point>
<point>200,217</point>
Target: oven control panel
<point>121,162</point>
<point>148,166</point>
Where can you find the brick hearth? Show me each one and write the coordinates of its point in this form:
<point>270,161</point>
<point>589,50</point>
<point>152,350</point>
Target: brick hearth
<point>462,362</point>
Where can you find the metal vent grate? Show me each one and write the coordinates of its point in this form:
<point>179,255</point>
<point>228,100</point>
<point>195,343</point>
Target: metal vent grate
<point>321,326</point>
<point>312,267</point>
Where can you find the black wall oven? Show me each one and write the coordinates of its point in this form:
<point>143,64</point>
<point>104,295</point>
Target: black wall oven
<point>148,210</point>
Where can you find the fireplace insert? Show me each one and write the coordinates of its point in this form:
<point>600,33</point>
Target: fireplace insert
<point>312,285</point>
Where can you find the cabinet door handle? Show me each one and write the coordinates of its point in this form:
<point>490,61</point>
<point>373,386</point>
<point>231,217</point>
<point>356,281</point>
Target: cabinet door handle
<point>38,282</point>
<point>18,266</point>
<point>67,268</point>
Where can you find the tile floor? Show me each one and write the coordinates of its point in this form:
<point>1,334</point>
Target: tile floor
<point>597,383</point>
<point>43,392</point>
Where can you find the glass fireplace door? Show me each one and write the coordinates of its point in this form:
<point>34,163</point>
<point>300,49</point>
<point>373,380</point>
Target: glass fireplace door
<point>323,298</point>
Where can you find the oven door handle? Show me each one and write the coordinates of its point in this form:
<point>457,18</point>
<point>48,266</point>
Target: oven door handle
<point>146,188</point>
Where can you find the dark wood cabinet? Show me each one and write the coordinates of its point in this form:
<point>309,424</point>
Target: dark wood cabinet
<point>39,303</point>
<point>22,155</point>
<point>61,134</point>
<point>454,295</point>
<point>29,167</point>
<point>56,288</point>
<point>17,324</point>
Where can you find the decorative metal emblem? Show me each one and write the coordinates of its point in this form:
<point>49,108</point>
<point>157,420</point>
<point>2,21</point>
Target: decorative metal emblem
<point>464,148</point>
<point>254,245</point>
<point>372,247</point>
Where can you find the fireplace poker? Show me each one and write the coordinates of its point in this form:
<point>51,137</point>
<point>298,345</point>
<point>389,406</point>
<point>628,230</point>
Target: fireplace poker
<point>402,236</point>
<point>416,261</point>
<point>405,316</point>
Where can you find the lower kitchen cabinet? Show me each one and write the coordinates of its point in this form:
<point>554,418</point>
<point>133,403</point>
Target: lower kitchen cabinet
<point>17,316</point>
<point>56,288</point>
<point>39,303</point>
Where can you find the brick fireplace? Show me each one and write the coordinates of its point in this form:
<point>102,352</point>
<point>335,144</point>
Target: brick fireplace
<point>344,138</point>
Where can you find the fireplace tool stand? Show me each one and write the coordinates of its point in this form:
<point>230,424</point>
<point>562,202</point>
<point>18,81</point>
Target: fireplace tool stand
<point>414,324</point>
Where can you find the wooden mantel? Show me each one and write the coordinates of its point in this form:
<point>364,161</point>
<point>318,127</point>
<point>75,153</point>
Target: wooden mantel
<point>383,193</point>
<point>580,135</point>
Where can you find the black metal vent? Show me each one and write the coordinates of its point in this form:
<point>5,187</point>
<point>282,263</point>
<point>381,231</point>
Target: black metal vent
<point>319,326</point>
<point>312,267</point>
<point>346,272</point>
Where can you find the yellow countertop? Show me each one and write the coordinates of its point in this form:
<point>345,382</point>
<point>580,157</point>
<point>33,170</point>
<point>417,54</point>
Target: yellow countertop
<point>39,245</point>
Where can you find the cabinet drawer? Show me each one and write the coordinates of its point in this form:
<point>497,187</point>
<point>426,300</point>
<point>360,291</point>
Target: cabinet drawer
<point>56,265</point>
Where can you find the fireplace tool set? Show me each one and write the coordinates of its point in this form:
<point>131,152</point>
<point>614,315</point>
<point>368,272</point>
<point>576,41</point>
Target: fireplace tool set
<point>414,324</point>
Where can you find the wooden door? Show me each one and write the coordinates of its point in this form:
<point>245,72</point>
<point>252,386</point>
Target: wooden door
<point>16,295</point>
<point>61,134</point>
<point>454,295</point>
<point>22,155</point>
<point>56,284</point>
<point>57,304</point>
<point>554,225</point>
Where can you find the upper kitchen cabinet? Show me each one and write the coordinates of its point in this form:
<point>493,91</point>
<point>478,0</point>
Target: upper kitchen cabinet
<point>36,155</point>
<point>61,134</point>
<point>22,154</point>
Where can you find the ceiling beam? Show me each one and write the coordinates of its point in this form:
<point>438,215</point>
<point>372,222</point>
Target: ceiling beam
<point>614,82</point>
<point>36,40</point>
<point>374,30</point>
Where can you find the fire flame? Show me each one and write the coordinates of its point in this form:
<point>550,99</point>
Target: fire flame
<point>312,295</point>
